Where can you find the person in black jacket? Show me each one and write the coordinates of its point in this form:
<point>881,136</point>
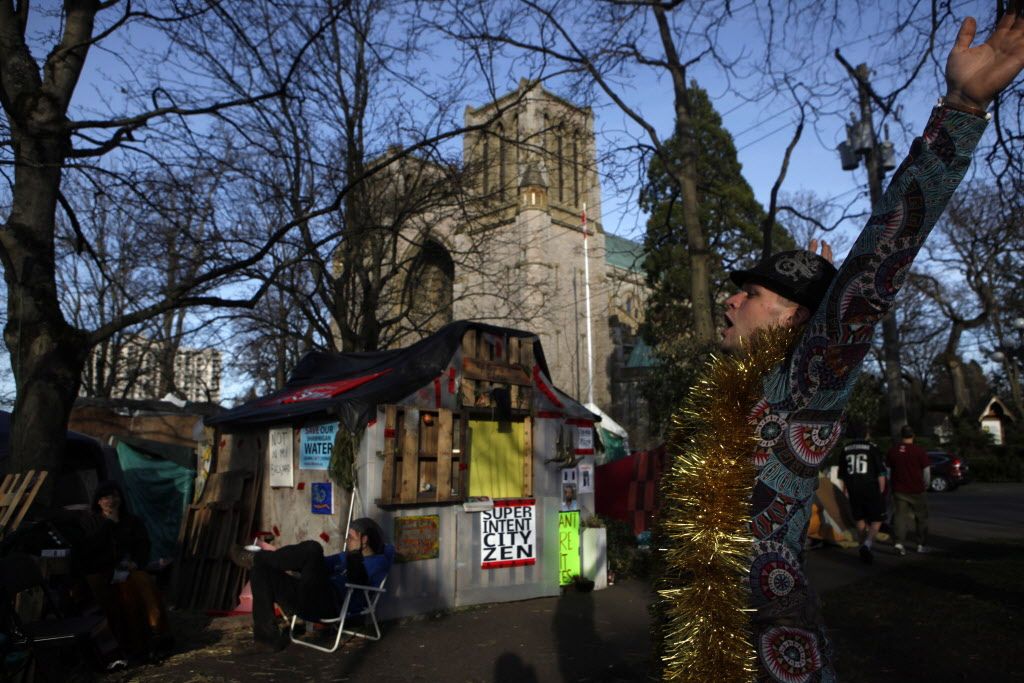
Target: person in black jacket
<point>116,554</point>
<point>862,471</point>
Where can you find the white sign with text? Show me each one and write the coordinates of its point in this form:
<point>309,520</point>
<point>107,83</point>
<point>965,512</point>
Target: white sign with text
<point>508,536</point>
<point>279,455</point>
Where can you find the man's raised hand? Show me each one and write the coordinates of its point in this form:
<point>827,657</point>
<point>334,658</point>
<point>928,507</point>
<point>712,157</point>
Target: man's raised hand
<point>826,249</point>
<point>975,75</point>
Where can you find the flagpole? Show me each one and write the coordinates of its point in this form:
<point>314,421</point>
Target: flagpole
<point>586,289</point>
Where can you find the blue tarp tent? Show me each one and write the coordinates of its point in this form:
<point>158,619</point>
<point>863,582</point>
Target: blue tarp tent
<point>158,479</point>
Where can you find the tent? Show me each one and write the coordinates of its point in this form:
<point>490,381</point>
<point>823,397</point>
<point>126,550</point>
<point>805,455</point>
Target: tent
<point>158,481</point>
<point>83,464</point>
<point>627,488</point>
<point>614,438</point>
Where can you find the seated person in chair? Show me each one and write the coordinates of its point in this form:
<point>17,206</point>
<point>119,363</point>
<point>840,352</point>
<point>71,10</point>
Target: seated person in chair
<point>317,589</point>
<point>115,554</point>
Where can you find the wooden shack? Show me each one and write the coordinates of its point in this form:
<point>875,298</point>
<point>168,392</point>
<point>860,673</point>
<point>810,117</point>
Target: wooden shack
<point>459,446</point>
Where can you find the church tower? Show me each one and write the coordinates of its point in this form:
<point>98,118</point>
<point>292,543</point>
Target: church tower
<point>534,165</point>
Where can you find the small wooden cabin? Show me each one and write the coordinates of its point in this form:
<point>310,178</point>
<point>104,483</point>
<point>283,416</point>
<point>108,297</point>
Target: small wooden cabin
<point>459,446</point>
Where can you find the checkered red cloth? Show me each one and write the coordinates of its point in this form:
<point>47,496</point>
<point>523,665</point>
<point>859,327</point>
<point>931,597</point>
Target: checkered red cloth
<point>627,489</point>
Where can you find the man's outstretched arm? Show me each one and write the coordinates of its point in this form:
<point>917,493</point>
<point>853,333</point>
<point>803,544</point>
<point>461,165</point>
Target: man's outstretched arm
<point>839,333</point>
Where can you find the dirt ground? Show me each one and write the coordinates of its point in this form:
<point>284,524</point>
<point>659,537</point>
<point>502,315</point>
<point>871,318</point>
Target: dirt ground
<point>598,636</point>
<point>950,616</point>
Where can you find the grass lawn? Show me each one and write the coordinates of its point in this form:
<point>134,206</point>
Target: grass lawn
<point>949,617</point>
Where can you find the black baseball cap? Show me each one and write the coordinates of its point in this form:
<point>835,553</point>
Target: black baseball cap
<point>799,275</point>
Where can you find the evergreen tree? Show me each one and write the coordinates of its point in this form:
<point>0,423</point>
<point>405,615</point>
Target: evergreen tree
<point>731,218</point>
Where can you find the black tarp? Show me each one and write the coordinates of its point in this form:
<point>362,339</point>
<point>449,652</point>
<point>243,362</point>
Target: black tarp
<point>352,385</point>
<point>82,453</point>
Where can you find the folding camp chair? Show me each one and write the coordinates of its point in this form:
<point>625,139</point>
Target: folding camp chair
<point>370,594</point>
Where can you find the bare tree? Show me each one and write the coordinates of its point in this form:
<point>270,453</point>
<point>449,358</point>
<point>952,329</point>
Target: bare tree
<point>379,271</point>
<point>972,274</point>
<point>174,107</point>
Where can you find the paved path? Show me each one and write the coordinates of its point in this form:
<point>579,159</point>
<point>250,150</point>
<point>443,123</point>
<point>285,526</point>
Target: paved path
<point>600,636</point>
<point>970,513</point>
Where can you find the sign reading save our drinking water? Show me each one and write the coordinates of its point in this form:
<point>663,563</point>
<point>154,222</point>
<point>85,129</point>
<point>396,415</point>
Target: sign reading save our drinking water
<point>315,444</point>
<point>508,534</point>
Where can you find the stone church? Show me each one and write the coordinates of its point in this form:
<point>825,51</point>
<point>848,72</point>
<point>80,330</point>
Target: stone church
<point>516,257</point>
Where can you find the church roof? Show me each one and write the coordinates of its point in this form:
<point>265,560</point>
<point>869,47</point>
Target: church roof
<point>532,177</point>
<point>624,253</point>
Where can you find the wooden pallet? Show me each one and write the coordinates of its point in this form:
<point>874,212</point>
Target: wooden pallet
<point>483,370</point>
<point>205,576</point>
<point>16,495</point>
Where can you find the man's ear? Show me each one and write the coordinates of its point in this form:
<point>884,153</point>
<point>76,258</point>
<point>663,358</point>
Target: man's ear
<point>798,316</point>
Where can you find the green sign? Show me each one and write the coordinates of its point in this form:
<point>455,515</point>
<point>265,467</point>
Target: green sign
<point>568,546</point>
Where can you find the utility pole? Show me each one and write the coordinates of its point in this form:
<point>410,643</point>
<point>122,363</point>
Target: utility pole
<point>878,158</point>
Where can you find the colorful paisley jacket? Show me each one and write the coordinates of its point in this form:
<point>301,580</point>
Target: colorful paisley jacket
<point>797,420</point>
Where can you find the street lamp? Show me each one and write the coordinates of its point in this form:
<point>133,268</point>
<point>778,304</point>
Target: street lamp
<point>1006,351</point>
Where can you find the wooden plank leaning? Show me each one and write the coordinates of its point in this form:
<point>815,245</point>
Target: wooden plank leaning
<point>26,502</point>
<point>7,489</point>
<point>16,496</point>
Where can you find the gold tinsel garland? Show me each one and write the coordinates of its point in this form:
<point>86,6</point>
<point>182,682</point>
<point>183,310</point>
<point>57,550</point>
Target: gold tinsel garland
<point>705,518</point>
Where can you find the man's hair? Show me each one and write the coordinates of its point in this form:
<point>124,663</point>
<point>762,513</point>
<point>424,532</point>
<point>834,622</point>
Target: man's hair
<point>907,432</point>
<point>365,526</point>
<point>105,488</point>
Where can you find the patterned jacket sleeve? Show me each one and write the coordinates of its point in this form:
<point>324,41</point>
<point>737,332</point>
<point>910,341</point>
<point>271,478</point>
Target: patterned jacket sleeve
<point>824,364</point>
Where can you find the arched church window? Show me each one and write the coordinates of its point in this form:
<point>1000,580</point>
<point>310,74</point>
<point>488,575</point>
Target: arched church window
<point>561,170</point>
<point>502,160</point>
<point>430,288</point>
<point>485,164</point>
<point>575,170</point>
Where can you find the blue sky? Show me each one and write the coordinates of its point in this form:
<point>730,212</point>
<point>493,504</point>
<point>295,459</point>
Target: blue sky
<point>762,130</point>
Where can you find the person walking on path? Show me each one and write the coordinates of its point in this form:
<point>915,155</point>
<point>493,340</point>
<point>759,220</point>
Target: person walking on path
<point>911,474</point>
<point>862,472</point>
<point>744,462</point>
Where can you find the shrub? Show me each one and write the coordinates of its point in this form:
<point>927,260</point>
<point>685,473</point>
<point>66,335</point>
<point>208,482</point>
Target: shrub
<point>625,557</point>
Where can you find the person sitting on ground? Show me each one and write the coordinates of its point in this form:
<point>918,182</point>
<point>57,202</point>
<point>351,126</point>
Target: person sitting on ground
<point>317,591</point>
<point>115,553</point>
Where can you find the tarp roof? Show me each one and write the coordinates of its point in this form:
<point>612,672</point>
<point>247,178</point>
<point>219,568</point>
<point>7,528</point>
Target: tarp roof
<point>127,405</point>
<point>352,385</point>
<point>607,423</point>
<point>180,455</point>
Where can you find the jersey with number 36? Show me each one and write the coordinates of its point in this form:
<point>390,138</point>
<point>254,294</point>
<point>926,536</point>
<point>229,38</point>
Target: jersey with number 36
<point>860,465</point>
